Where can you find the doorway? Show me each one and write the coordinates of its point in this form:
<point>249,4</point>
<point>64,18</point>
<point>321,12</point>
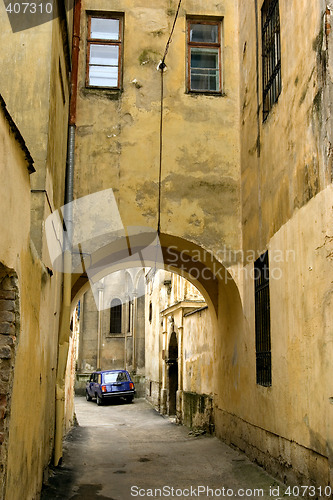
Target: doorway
<point>173,374</point>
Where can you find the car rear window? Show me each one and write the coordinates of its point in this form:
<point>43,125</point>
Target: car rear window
<point>110,378</point>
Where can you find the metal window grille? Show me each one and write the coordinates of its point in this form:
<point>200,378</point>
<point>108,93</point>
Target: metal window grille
<point>271,54</point>
<point>115,316</point>
<point>262,321</point>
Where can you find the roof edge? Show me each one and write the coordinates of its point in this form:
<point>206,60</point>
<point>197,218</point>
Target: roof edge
<point>18,136</point>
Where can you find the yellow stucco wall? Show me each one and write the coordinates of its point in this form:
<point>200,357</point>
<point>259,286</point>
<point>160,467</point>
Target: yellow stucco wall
<point>293,163</point>
<point>31,414</point>
<point>15,196</point>
<point>34,72</point>
<point>30,83</point>
<point>198,349</point>
<point>290,419</point>
<point>117,144</point>
<point>287,208</point>
<point>156,295</point>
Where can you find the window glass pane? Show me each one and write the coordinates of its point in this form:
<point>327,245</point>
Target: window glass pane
<point>205,80</point>
<point>204,58</point>
<point>103,76</point>
<point>106,55</point>
<point>205,69</point>
<point>104,29</point>
<point>115,310</point>
<point>207,33</point>
<point>110,377</point>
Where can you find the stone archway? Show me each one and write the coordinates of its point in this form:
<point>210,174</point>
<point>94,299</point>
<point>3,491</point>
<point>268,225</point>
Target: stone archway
<point>217,281</point>
<point>9,328</point>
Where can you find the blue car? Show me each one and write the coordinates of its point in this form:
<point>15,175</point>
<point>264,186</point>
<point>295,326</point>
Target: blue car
<point>109,384</point>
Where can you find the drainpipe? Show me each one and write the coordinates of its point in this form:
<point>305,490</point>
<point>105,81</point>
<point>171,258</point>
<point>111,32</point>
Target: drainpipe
<point>124,326</point>
<point>256,11</point>
<point>99,327</point>
<point>64,330</point>
<point>134,321</point>
<point>180,390</point>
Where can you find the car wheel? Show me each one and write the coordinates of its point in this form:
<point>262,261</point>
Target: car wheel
<point>88,398</point>
<point>129,399</point>
<point>99,400</point>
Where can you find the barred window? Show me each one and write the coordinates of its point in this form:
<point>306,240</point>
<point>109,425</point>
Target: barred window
<point>271,54</point>
<point>104,47</point>
<point>115,316</point>
<point>262,321</point>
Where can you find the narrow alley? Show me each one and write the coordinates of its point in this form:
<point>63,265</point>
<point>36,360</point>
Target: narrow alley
<point>122,451</point>
<point>166,213</point>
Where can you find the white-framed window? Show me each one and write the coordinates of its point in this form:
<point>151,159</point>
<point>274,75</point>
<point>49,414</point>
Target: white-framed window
<point>104,51</point>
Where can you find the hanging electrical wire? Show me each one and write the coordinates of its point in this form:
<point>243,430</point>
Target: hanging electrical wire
<point>162,67</point>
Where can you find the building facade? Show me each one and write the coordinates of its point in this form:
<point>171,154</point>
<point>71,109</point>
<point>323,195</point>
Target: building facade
<point>286,182</point>
<point>240,134</point>
<point>34,84</point>
<point>179,366</point>
<point>224,152</point>
<point>112,336</point>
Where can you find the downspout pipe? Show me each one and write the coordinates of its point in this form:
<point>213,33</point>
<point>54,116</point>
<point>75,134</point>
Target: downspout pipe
<point>64,327</point>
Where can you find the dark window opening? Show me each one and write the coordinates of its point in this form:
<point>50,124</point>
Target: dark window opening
<point>150,312</point>
<point>262,321</point>
<point>115,316</point>
<point>129,316</point>
<point>271,54</point>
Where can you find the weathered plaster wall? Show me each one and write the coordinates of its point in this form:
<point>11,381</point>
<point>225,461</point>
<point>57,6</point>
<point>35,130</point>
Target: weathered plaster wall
<point>287,159</point>
<point>286,426</point>
<point>156,298</point>
<point>34,82</point>
<point>198,351</point>
<point>87,359</point>
<point>15,195</point>
<point>30,81</point>
<point>178,312</point>
<point>285,173</point>
<point>124,285</point>
<point>31,423</point>
<point>118,133</point>
<point>287,208</point>
<point>69,418</point>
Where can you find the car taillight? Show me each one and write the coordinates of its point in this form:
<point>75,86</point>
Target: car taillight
<point>131,385</point>
<point>103,388</point>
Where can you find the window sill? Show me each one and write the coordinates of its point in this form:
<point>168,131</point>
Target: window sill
<point>195,93</point>
<point>107,92</point>
<point>114,335</point>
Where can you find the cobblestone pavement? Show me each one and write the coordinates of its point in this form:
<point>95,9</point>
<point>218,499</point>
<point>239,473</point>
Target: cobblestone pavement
<point>124,451</point>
